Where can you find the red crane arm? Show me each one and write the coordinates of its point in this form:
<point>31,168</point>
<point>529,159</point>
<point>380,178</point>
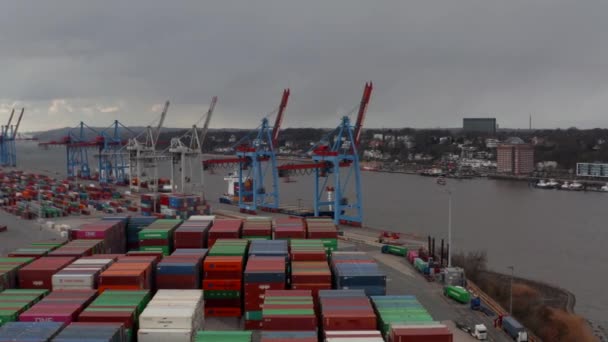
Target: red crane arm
<point>367,93</point>
<point>279,119</point>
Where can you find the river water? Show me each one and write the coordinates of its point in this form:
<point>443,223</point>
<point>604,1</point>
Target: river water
<point>547,235</point>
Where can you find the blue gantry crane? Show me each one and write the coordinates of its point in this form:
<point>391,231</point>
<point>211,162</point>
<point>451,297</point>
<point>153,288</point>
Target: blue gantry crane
<point>112,160</point>
<point>256,163</point>
<point>335,164</point>
<point>8,134</point>
<point>107,145</point>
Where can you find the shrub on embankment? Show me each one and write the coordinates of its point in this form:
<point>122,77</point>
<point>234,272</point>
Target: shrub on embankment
<point>540,307</point>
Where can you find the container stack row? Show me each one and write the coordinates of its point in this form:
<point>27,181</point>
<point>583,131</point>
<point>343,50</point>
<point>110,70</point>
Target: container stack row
<point>172,315</point>
<point>181,270</point>
<point>59,306</point>
<point>134,225</point>
<point>129,273</point>
<point>263,273</point>
<point>111,231</point>
<point>289,336</point>
<point>193,232</point>
<point>39,273</point>
<point>82,274</point>
<point>324,229</point>
<point>79,248</point>
<point>223,279</point>
<point>287,228</point>
<point>13,302</point>
<point>289,310</point>
<point>223,336</point>
<point>224,229</point>
<point>158,237</point>
<point>354,336</point>
<point>346,310</point>
<point>307,250</point>
<point>29,331</point>
<point>123,307</point>
<point>9,267</point>
<point>310,275</point>
<point>257,228</point>
<point>358,270</point>
<point>79,331</point>
<point>402,317</point>
<point>36,249</point>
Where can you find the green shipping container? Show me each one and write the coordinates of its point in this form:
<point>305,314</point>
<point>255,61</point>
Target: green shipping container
<point>395,250</point>
<point>223,336</point>
<point>457,293</point>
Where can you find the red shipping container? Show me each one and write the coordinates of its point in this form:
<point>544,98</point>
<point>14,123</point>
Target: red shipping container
<point>222,284</point>
<point>59,306</point>
<point>39,273</point>
<point>421,335</point>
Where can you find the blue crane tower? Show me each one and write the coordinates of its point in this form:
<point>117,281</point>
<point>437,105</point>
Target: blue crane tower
<point>335,164</point>
<point>112,159</point>
<point>8,134</point>
<point>256,163</point>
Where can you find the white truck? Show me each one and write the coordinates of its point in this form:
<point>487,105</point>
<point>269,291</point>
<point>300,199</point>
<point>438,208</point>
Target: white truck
<point>480,332</point>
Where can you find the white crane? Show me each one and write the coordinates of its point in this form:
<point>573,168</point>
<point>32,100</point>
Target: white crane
<point>143,156</point>
<point>189,147</point>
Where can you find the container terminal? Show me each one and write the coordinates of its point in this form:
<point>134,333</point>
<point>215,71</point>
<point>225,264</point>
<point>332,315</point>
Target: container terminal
<point>121,254</point>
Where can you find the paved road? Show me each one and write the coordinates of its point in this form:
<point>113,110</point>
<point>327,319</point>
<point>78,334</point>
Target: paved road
<point>403,279</point>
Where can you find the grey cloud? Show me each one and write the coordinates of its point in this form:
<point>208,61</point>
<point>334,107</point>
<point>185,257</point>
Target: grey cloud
<point>432,62</point>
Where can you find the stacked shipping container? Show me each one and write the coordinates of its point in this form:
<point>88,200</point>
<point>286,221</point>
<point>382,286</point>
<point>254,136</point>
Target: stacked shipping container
<point>122,307</point>
<point>78,332</point>
<point>223,280</point>
<point>324,229</point>
<point>289,311</point>
<point>181,270</point>
<point>59,306</point>
<point>346,310</point>
<point>257,228</point>
<point>79,248</point>
<point>29,331</point>
<point>399,310</point>
<point>310,275</point>
<point>13,302</point>
<point>289,336</point>
<point>81,274</point>
<point>285,228</point>
<point>9,267</point>
<point>129,273</point>
<point>39,273</point>
<point>193,232</point>
<point>112,232</point>
<point>224,229</point>
<point>172,315</point>
<point>357,270</point>
<point>158,237</point>
<point>263,273</point>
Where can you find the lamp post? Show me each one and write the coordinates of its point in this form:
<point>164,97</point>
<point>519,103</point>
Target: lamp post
<point>449,228</point>
<point>512,268</point>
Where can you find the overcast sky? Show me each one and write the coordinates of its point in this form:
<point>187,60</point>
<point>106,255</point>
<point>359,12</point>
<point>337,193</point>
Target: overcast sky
<point>432,62</point>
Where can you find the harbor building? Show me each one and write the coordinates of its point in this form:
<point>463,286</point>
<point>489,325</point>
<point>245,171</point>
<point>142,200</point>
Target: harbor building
<point>480,125</point>
<point>514,156</point>
<point>592,170</point>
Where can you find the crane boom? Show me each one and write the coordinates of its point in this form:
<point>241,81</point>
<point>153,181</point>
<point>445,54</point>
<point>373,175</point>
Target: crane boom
<point>279,119</point>
<point>10,119</point>
<point>163,115</point>
<point>18,123</point>
<point>207,120</point>
<point>367,93</point>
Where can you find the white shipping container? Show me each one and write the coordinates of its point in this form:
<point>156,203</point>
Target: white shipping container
<point>174,309</point>
<point>85,281</point>
<point>164,335</point>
